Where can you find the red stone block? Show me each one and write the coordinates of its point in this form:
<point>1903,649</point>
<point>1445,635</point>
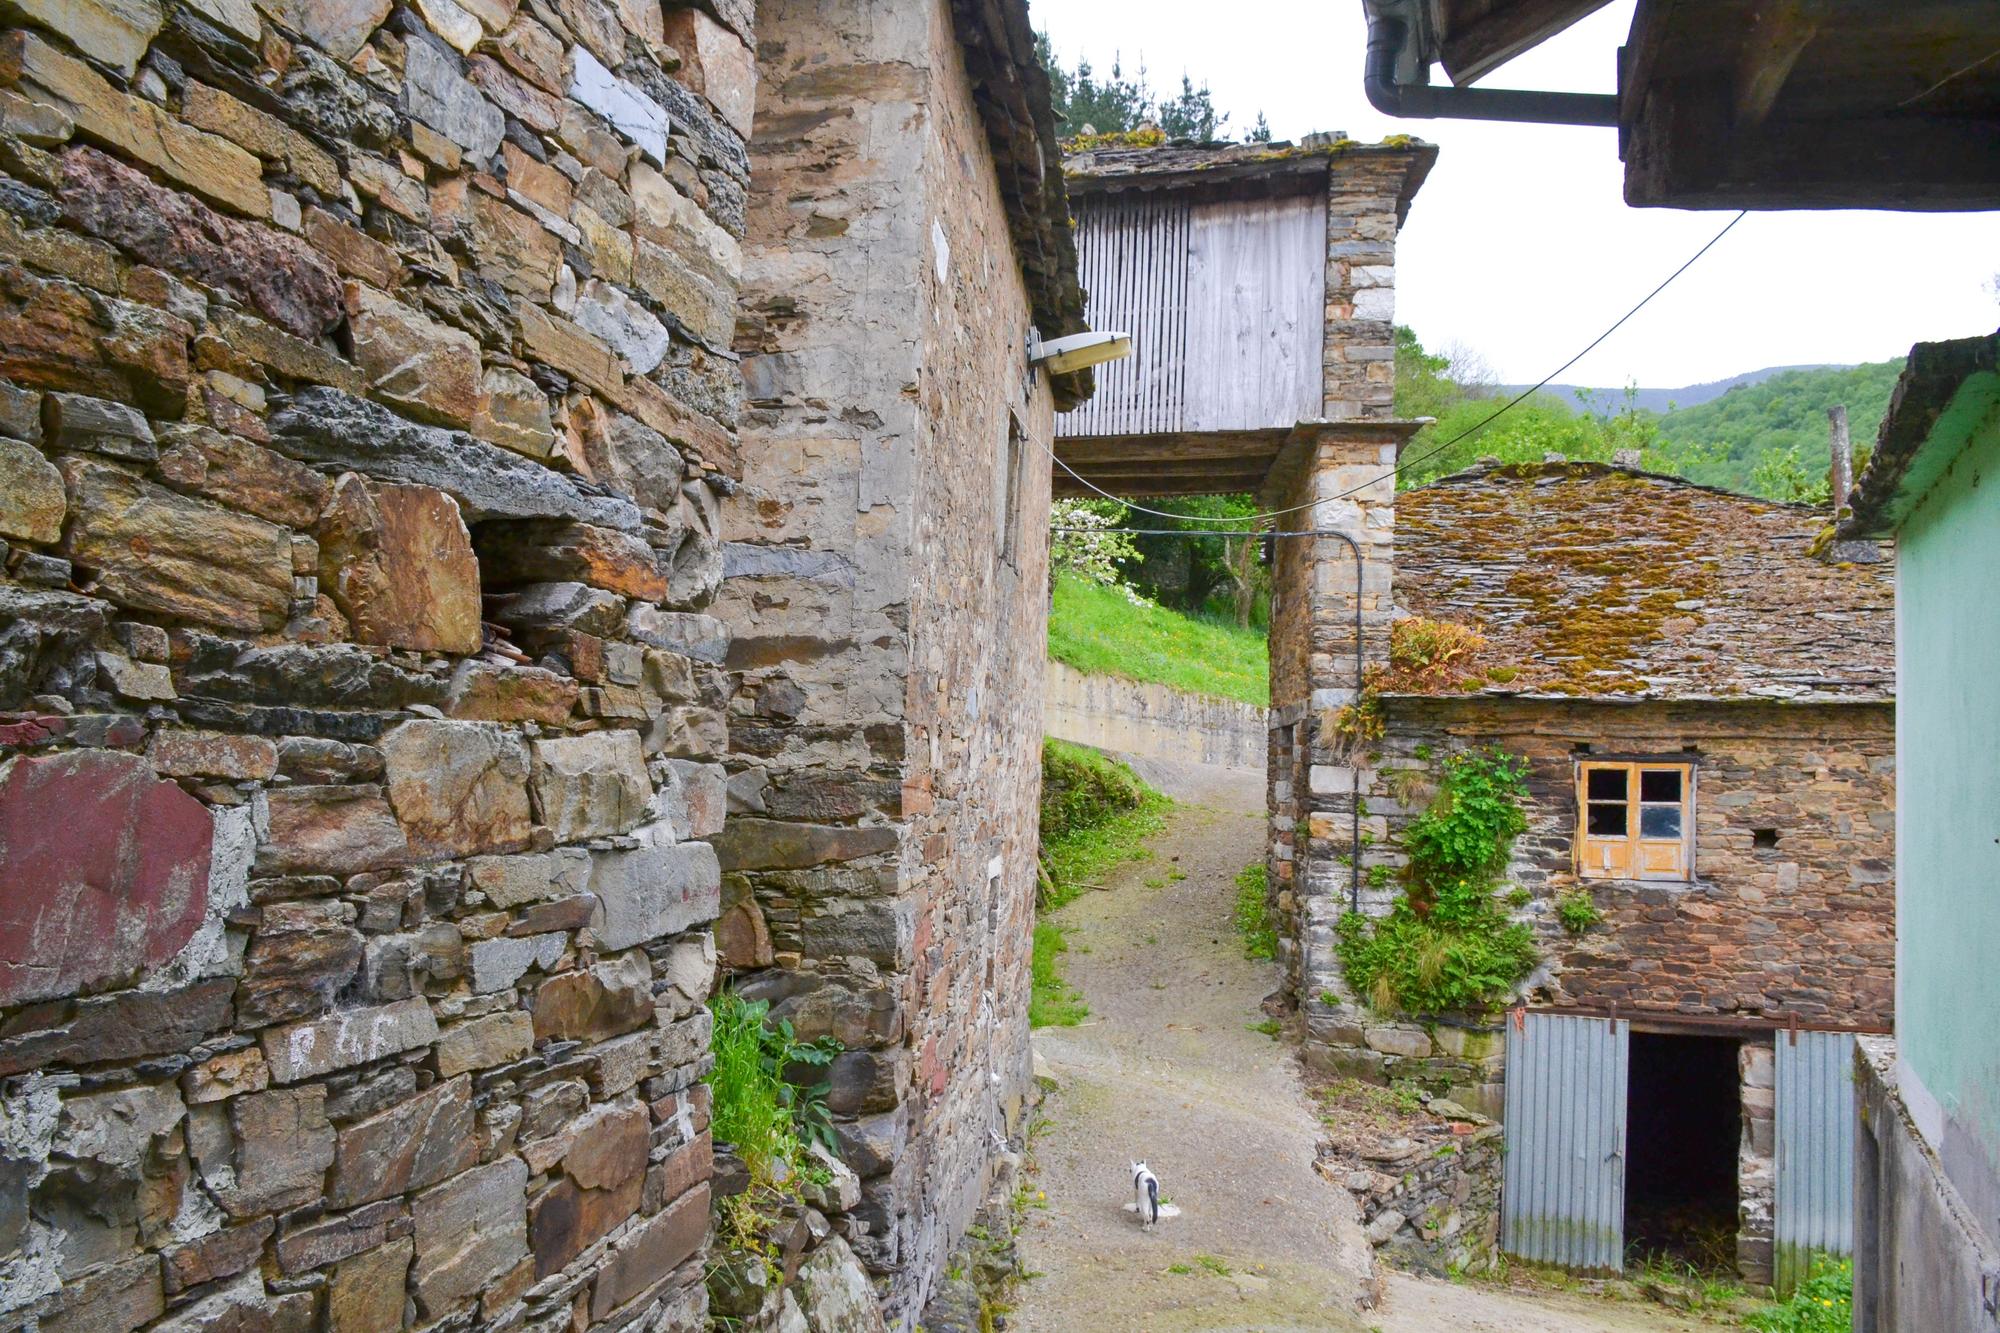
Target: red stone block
<point>103,872</point>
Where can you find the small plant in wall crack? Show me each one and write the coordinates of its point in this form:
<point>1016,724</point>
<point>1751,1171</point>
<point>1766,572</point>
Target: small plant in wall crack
<point>761,1106</point>
<point>1446,944</point>
<point>1577,911</point>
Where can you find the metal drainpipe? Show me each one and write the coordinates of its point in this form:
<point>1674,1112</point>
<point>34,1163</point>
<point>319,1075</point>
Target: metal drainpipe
<point>1353,549</point>
<point>1388,31</point>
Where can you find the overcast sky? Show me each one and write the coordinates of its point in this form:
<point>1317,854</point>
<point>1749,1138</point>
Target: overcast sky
<point>1521,248</point>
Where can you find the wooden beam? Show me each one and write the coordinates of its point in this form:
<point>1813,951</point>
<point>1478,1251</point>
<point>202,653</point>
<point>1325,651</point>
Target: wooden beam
<point>1680,154</point>
<point>1081,449</point>
<point>1780,35</point>
<point>1131,483</point>
<point>1155,489</point>
<point>1176,467</point>
<point>1475,48</point>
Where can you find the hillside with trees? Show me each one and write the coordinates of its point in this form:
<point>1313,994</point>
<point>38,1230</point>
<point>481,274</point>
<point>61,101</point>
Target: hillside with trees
<point>1767,438</point>
<point>1087,103</point>
<point>1771,438</point>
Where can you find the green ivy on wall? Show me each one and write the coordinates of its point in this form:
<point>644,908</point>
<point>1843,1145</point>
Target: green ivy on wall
<point>1447,945</point>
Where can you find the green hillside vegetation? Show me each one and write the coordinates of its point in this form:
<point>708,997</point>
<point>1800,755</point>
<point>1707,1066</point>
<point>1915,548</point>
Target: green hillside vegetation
<point>1096,815</point>
<point>1770,438</point>
<point>1767,439</point>
<point>1101,629</point>
<point>1428,384</point>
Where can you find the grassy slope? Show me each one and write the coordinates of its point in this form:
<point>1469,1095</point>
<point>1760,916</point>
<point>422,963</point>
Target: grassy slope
<point>1096,629</point>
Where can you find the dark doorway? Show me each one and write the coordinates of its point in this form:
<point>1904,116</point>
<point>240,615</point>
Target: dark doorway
<point>1683,1124</point>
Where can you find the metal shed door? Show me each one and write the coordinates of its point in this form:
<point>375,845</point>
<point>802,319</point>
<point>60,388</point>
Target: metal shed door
<point>1815,1150</point>
<point>1562,1199</point>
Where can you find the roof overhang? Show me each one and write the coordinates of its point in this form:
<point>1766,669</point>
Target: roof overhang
<point>1242,171</point>
<point>1740,103</point>
<point>1948,394</point>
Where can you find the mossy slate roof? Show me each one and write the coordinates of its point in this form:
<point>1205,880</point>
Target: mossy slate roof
<point>1593,580</point>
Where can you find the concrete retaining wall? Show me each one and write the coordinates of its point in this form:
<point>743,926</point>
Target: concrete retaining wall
<point>1921,1260</point>
<point>1111,713</point>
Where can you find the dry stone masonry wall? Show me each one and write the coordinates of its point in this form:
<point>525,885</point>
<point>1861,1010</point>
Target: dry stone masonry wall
<point>1321,787</point>
<point>366,408</point>
<point>886,578</point>
<point>1798,920</point>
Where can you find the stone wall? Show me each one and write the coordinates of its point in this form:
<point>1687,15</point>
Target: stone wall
<point>366,401</point>
<point>1429,1199</point>
<point>884,568</point>
<point>1803,927</point>
<point>1141,718</point>
<point>1756,1161</point>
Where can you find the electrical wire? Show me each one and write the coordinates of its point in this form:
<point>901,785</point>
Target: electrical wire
<point>1433,452</point>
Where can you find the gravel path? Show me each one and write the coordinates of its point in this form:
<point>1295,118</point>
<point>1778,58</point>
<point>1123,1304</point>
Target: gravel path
<point>1168,1068</point>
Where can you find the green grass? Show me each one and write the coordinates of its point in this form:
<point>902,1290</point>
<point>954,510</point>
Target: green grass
<point>1253,914</point>
<point>1096,815</point>
<point>1052,1001</point>
<point>1097,629</point>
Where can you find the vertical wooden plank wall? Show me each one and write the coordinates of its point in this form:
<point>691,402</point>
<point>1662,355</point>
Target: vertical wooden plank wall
<point>1133,252</point>
<point>1256,302</point>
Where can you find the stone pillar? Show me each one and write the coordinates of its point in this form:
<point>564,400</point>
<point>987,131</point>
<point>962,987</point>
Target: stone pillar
<point>1756,1166</point>
<point>1319,767</point>
<point>1364,195</point>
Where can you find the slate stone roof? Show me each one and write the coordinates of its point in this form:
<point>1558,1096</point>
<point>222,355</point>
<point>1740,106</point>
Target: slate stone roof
<point>1110,162</point>
<point>1588,579</point>
<point>1012,92</point>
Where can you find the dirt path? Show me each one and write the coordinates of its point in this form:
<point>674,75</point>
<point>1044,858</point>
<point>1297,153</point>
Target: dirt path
<point>1168,1068</point>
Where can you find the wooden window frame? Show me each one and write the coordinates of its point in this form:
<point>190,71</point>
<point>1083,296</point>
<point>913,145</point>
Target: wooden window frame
<point>1631,855</point>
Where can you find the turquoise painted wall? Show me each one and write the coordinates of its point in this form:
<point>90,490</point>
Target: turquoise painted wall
<point>1948,782</point>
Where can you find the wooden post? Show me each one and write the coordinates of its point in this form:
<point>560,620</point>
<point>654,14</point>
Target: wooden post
<point>1843,457</point>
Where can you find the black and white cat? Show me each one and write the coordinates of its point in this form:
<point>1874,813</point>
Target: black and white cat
<point>1145,1194</point>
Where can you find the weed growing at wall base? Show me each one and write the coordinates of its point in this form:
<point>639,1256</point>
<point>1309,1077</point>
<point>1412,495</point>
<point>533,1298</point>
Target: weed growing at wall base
<point>1823,1303</point>
<point>1052,1001</point>
<point>767,1118</point>
<point>1253,913</point>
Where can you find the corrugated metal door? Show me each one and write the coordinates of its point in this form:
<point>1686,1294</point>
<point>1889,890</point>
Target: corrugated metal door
<point>1814,1210</point>
<point>1562,1198</point>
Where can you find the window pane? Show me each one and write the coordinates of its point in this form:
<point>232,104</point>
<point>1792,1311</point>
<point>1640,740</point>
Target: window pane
<point>1606,784</point>
<point>1606,821</point>
<point>1660,784</point>
<point>1659,821</point>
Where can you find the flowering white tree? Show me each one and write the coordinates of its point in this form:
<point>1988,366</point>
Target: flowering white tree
<point>1083,541</point>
